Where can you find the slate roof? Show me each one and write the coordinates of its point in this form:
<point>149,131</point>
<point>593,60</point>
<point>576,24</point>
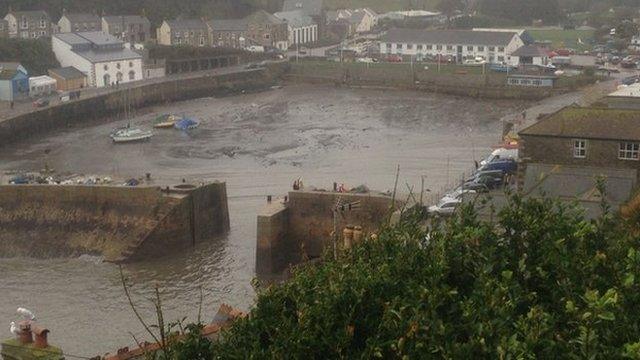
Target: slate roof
<point>111,55</point>
<point>295,18</point>
<point>263,17</point>
<point>126,19</point>
<point>530,51</point>
<point>68,72</point>
<point>98,38</point>
<point>187,24</point>
<point>227,24</point>
<point>309,7</point>
<point>461,37</point>
<point>81,17</point>
<point>32,15</point>
<point>589,123</point>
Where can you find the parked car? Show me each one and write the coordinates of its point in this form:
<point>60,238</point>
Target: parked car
<point>252,66</point>
<point>457,194</point>
<point>444,207</point>
<point>485,180</point>
<point>501,153</point>
<point>507,166</point>
<point>42,102</point>
<point>394,58</point>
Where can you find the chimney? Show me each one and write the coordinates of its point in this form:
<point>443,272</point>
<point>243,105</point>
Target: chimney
<point>25,336</point>
<point>41,337</point>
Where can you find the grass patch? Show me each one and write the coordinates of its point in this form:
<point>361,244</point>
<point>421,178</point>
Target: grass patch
<point>565,38</point>
<point>382,6</point>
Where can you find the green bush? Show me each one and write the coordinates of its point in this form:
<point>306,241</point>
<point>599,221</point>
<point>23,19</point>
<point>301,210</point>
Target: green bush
<point>544,283</point>
<point>35,55</point>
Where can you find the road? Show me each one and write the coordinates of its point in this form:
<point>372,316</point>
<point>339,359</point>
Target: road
<point>26,105</point>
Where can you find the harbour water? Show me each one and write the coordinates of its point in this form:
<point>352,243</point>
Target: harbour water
<point>258,144</point>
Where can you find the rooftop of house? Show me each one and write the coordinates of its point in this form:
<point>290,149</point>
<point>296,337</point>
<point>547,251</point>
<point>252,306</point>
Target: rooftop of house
<point>97,38</point>
<point>81,17</point>
<point>126,19</point>
<point>588,123</point>
<point>263,17</point>
<point>227,24</point>
<point>187,24</point>
<point>309,7</point>
<point>460,37</point>
<point>295,18</point>
<point>68,72</point>
<point>31,14</point>
<point>530,51</point>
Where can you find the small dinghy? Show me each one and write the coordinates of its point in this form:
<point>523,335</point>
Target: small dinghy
<point>186,124</point>
<point>166,121</point>
<point>130,135</point>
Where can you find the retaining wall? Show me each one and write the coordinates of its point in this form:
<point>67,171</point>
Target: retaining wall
<point>101,107</point>
<point>120,223</point>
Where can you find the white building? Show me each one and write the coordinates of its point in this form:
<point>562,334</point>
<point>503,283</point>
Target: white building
<point>302,29</point>
<point>102,57</point>
<point>492,46</point>
<point>531,55</point>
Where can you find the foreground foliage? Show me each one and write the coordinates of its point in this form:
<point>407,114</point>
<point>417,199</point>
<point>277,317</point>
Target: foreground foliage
<point>545,283</point>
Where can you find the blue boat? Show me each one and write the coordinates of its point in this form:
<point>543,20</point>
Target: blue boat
<point>186,124</point>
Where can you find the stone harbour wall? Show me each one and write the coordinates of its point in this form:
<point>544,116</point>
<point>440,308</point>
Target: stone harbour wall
<point>120,223</point>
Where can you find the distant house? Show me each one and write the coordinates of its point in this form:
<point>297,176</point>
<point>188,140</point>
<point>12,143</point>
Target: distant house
<point>228,33</point>
<point>129,28</point>
<point>493,46</point>
<point>68,78</point>
<point>267,30</point>
<point>530,55</point>
<point>28,24</point>
<point>192,32</point>
<point>79,22</point>
<point>14,81</point>
<point>101,56</point>
<point>4,28</point>
<point>302,28</point>
<point>564,153</point>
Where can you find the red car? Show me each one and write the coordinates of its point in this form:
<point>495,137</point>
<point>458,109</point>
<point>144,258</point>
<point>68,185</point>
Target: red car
<point>394,58</point>
<point>41,103</point>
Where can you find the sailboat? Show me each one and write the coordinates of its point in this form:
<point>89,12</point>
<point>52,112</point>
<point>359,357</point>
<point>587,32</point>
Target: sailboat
<point>129,134</point>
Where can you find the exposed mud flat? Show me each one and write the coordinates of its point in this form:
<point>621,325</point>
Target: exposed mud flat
<point>257,143</point>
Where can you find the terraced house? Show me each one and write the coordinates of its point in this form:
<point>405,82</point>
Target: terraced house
<point>192,32</point>
<point>28,24</point>
<point>79,22</point>
<point>128,28</point>
<point>267,30</point>
<point>565,153</point>
<point>231,33</point>
<point>492,46</point>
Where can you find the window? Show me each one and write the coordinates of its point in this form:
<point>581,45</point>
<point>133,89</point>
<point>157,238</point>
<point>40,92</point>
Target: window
<point>119,76</point>
<point>388,46</point>
<point>469,48</point>
<point>202,41</point>
<point>501,49</point>
<point>429,47</point>
<point>399,46</point>
<point>118,65</point>
<point>409,46</point>
<point>132,75</point>
<point>449,47</point>
<point>480,48</point>
<point>24,23</point>
<point>106,67</point>
<point>579,148</point>
<point>492,48</point>
<point>439,47</point>
<point>419,47</point>
<point>130,63</point>
<point>43,23</point>
<point>629,151</point>
<point>501,58</point>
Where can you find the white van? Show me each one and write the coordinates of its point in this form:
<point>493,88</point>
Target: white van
<point>501,153</point>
